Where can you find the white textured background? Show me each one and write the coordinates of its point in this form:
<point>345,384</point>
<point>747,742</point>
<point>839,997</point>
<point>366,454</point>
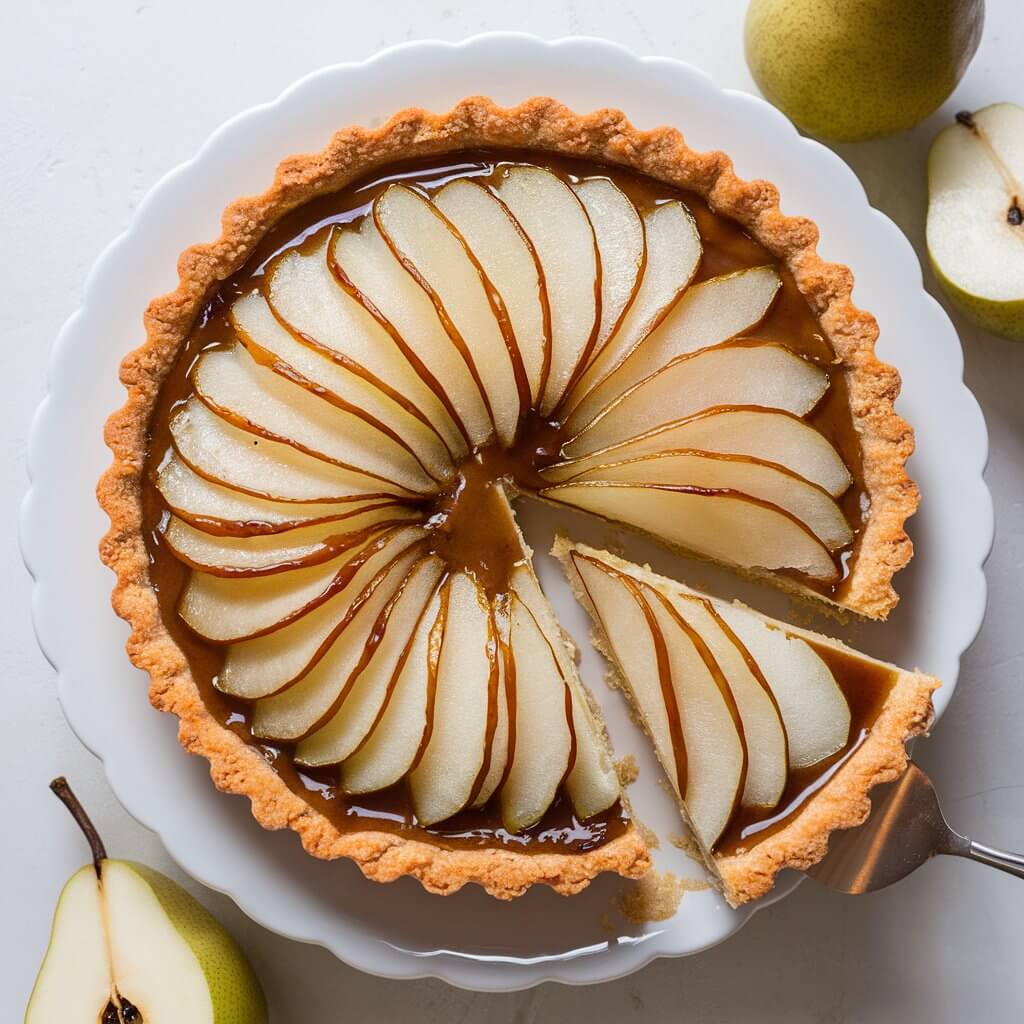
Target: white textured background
<point>97,101</point>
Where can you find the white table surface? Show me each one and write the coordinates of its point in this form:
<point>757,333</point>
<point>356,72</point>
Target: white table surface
<point>97,101</point>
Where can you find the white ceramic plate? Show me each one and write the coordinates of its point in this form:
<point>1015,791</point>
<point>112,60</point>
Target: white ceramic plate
<point>398,930</point>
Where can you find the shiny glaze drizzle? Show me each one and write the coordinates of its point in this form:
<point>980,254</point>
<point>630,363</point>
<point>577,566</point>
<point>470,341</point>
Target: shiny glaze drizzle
<point>466,532</point>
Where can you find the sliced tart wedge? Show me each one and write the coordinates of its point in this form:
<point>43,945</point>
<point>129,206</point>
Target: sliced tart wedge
<point>771,736</point>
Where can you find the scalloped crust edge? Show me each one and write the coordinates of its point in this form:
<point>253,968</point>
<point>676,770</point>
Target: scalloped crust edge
<point>843,802</point>
<point>538,124</point>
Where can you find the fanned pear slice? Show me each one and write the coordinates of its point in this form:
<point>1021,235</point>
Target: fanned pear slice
<point>718,525</point>
<point>257,466</point>
<point>673,253</point>
<point>303,292</point>
<point>544,747</point>
<point>592,783</point>
<point>272,344</point>
<point>560,232</point>
<point>735,373</point>
<point>767,434</point>
<point>307,705</point>
<point>507,258</point>
<point>813,708</point>
<point>229,610</point>
<point>812,505</point>
<point>465,298</point>
<point>259,401</point>
<point>442,782</point>
<point>341,735</point>
<point>218,510</point>
<point>619,231</point>
<point>268,663</point>
<point>708,314</point>
<point>500,748</point>
<point>390,750</point>
<point>364,261</point>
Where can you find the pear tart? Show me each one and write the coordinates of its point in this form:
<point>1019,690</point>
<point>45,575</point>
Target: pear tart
<point>310,492</point>
<point>770,736</point>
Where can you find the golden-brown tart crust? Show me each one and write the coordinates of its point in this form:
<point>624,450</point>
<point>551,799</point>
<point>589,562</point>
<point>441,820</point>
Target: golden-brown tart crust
<point>538,124</point>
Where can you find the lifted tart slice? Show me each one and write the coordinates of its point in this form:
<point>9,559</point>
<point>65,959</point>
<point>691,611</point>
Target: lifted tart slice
<point>770,735</point>
<point>310,523</point>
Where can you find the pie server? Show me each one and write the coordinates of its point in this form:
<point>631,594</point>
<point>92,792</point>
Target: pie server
<point>905,829</point>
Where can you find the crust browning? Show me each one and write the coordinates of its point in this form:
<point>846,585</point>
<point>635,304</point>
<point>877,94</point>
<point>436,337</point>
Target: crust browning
<point>843,802</point>
<point>541,124</point>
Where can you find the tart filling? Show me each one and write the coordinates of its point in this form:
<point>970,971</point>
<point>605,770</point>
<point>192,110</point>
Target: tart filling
<point>770,735</point>
<point>310,522</point>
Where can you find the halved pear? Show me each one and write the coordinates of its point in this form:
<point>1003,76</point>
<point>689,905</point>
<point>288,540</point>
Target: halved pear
<point>720,525</point>
<point>257,466</point>
<point>975,227</point>
<point>391,748</point>
<point>619,232</point>
<point>364,260</point>
<point>673,253</point>
<point>306,706</point>
<point>735,373</point>
<point>443,780</point>
<point>229,610</point>
<point>304,293</point>
<point>219,510</point>
<point>272,344</point>
<point>273,660</point>
<point>813,708</point>
<point>812,505</point>
<point>767,434</point>
<point>507,258</point>
<point>466,300</point>
<point>259,401</point>
<point>276,552</point>
<point>543,725</point>
<point>708,314</point>
<point>360,707</point>
<point>560,232</point>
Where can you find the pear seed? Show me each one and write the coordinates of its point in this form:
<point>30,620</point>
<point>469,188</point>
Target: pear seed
<point>110,1014</point>
<point>1014,215</point>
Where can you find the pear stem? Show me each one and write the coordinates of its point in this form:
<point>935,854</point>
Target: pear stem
<point>67,797</point>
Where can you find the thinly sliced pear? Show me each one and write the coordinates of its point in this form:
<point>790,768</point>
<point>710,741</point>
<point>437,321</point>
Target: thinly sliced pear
<point>720,525</point>
<point>813,708</point>
<point>298,710</point>
<point>228,610</point>
<point>559,229</point>
<point>259,401</point>
<point>442,782</point>
<point>592,784</point>
<point>767,434</point>
<point>814,507</point>
<point>390,750</point>
<point>268,663</point>
<point>619,232</point>
<point>673,253</point>
<point>364,259</point>
<point>543,710</point>
<point>716,756</point>
<point>359,709</point>
<point>269,342</point>
<point>257,466</point>
<point>735,373</point>
<point>501,742</point>
<point>708,314</point>
<point>303,292</point>
<point>469,307</point>
<point>218,510</point>
<point>767,758</point>
<point>273,553</point>
<point>507,258</point>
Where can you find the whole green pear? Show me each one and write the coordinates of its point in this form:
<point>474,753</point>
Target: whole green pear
<point>848,70</point>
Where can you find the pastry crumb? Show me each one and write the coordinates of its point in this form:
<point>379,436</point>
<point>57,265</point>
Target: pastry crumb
<point>655,897</point>
<point>628,770</point>
<point>649,836</point>
<point>687,845</point>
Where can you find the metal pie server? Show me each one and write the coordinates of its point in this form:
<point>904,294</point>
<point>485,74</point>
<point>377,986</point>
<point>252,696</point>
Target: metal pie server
<point>905,829</point>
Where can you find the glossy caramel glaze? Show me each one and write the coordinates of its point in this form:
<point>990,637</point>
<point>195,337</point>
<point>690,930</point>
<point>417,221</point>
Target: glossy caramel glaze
<point>467,535</point>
